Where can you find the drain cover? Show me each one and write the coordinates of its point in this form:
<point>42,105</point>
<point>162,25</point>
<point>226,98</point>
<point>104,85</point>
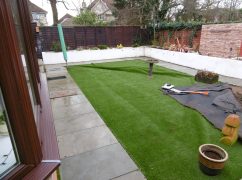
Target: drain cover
<point>56,78</point>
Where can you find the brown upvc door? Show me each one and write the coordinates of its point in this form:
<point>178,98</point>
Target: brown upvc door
<point>15,90</point>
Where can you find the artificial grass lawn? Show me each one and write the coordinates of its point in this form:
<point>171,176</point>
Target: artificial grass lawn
<point>160,135</point>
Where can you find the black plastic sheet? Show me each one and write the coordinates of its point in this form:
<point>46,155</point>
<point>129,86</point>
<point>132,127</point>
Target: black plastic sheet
<point>215,107</point>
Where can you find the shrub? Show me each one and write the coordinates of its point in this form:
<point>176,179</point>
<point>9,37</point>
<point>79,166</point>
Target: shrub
<point>80,48</point>
<point>137,41</point>
<point>206,77</point>
<point>56,46</point>
<point>1,118</point>
<point>102,46</point>
<point>155,42</point>
<point>87,18</point>
<point>136,45</point>
<point>119,46</point>
<point>180,25</point>
<point>94,48</point>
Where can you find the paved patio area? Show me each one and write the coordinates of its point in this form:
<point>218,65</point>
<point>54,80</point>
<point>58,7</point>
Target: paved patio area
<point>88,149</point>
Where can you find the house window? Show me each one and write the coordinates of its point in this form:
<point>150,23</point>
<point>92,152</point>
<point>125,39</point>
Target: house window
<point>34,16</point>
<point>101,17</point>
<point>8,153</point>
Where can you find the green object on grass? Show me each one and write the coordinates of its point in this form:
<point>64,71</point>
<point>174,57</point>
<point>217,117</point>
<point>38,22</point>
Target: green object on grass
<point>62,40</point>
<point>161,135</point>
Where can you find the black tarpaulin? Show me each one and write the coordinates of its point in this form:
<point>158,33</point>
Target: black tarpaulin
<point>215,107</point>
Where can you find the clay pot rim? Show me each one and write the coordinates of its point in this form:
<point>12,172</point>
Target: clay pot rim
<point>214,160</point>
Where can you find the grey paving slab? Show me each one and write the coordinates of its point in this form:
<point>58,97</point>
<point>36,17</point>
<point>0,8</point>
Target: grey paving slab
<point>101,164</point>
<point>135,175</point>
<point>72,110</point>
<point>76,123</point>
<point>61,84</point>
<point>63,93</point>
<point>52,73</point>
<point>55,69</point>
<point>68,100</point>
<point>85,140</point>
<point>229,80</point>
<point>58,85</point>
<point>63,88</point>
<point>178,68</point>
<point>225,79</point>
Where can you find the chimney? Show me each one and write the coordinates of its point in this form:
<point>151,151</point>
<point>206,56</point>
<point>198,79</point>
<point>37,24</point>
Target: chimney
<point>84,5</point>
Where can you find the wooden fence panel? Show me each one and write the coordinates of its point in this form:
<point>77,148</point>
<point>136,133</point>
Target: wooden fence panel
<point>69,35</point>
<point>89,36</point>
<point>101,36</point>
<point>80,34</point>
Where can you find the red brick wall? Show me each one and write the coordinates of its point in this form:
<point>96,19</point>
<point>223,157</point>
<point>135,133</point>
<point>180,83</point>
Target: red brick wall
<point>182,35</point>
<point>221,40</point>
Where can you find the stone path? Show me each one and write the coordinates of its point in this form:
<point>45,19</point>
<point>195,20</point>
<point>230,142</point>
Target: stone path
<point>88,149</point>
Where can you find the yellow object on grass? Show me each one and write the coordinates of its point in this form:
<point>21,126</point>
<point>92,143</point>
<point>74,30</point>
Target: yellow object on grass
<point>230,129</point>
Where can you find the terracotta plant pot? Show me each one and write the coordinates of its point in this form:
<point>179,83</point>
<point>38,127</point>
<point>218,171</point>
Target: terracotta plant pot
<point>212,159</point>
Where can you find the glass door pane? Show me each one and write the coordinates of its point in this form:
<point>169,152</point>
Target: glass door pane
<point>8,155</point>
<point>22,46</point>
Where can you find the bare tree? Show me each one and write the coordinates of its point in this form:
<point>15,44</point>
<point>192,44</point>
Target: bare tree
<point>232,5</point>
<point>143,11</point>
<point>53,4</point>
<point>79,6</point>
<point>54,11</point>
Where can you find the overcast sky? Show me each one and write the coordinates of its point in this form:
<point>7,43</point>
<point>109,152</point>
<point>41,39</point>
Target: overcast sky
<point>44,4</point>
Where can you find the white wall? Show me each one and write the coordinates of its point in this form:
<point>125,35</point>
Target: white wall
<point>92,55</point>
<point>226,67</point>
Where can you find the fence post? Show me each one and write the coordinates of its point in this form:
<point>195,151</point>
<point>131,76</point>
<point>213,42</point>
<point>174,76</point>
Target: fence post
<point>95,35</point>
<point>85,35</point>
<point>74,31</point>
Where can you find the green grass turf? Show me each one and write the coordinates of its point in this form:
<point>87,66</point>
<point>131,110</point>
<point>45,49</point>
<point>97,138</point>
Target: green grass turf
<point>160,135</point>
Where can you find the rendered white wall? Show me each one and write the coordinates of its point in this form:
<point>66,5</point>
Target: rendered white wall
<point>226,67</point>
<point>92,55</point>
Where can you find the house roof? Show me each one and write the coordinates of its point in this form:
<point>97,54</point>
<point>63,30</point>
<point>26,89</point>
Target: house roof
<point>108,2</point>
<point>65,17</point>
<point>68,22</point>
<point>35,8</point>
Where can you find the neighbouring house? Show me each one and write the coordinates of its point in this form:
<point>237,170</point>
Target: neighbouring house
<point>66,20</point>
<point>104,9</point>
<point>38,14</point>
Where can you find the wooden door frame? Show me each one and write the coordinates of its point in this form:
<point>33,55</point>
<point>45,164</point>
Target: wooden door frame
<point>16,96</point>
